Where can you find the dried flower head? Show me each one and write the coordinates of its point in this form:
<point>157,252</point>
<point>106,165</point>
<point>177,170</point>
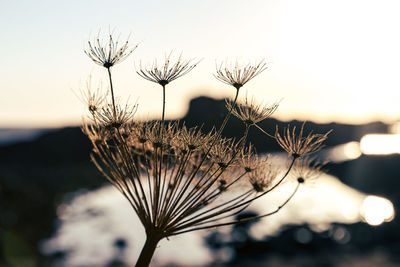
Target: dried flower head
<point>249,159</point>
<point>161,135</point>
<point>261,178</point>
<point>192,139</point>
<point>237,75</point>
<point>167,72</point>
<point>114,116</point>
<point>93,98</point>
<point>250,112</point>
<point>307,169</point>
<point>298,145</point>
<point>224,152</point>
<point>109,52</point>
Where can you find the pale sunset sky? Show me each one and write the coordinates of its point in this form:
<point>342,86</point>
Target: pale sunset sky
<point>328,60</point>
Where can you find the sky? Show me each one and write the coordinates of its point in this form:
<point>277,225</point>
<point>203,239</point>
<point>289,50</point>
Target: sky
<point>327,60</point>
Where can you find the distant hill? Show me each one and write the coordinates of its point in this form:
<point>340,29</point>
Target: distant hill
<point>208,111</point>
<point>16,135</point>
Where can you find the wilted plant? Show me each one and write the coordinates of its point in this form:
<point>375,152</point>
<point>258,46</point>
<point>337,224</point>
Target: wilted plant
<point>179,179</point>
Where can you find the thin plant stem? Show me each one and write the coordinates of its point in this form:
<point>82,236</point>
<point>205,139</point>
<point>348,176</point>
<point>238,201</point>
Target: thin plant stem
<point>263,131</point>
<point>112,92</point>
<point>163,107</point>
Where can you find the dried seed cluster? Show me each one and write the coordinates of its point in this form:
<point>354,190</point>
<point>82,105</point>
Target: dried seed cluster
<point>298,144</point>
<point>168,71</point>
<point>251,113</point>
<point>176,177</point>
<point>237,75</point>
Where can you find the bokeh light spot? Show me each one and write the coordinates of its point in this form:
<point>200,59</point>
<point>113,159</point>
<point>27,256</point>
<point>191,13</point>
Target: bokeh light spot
<point>377,210</point>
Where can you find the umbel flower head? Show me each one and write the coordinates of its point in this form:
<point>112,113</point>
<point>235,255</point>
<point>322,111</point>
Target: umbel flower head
<point>263,177</point>
<point>191,139</point>
<point>92,98</point>
<point>109,52</point>
<point>249,159</point>
<point>298,145</point>
<point>236,75</point>
<point>307,169</point>
<point>249,112</point>
<point>111,116</point>
<point>168,71</point>
<point>224,152</point>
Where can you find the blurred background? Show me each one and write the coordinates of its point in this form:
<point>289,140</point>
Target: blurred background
<point>334,64</point>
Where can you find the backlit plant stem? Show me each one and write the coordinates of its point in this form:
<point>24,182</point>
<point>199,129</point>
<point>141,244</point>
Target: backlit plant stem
<point>112,91</point>
<point>152,239</point>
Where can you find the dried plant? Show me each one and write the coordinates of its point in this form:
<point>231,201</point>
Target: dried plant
<point>93,99</point>
<point>167,72</point>
<point>179,179</point>
<point>298,145</point>
<point>107,54</point>
<point>263,177</point>
<point>249,159</point>
<point>237,75</point>
<point>307,169</point>
<point>110,52</point>
<point>251,113</point>
<point>115,116</point>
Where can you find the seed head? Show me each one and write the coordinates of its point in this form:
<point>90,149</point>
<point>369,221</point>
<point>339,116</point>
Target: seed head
<point>298,145</point>
<point>110,52</point>
<point>237,75</point>
<point>167,72</point>
<point>161,135</point>
<point>307,169</point>
<point>93,98</point>
<point>262,177</point>
<point>111,116</point>
<point>251,113</point>
<point>192,139</point>
<point>224,153</point>
<point>249,159</point>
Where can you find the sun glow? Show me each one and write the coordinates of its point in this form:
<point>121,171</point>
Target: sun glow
<point>380,144</point>
<point>377,210</point>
